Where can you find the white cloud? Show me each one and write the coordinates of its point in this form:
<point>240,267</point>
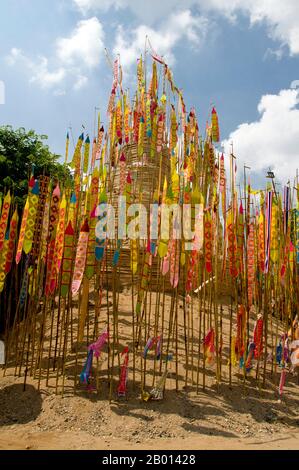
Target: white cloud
<point>73,55</point>
<point>280,17</point>
<point>38,69</point>
<point>59,92</point>
<point>85,44</point>
<point>14,55</point>
<point>80,82</point>
<point>130,43</point>
<point>272,141</point>
<point>44,77</point>
<point>86,5</point>
<point>276,53</point>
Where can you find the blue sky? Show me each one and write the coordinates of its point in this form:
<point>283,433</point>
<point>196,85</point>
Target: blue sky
<point>239,57</point>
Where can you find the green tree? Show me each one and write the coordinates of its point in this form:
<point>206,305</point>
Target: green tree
<point>21,152</point>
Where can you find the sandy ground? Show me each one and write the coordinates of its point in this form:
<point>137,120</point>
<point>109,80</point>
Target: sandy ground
<point>228,419</point>
<point>241,417</point>
<point>54,441</point>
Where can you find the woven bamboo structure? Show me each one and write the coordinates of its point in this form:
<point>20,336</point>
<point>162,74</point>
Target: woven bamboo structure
<point>145,172</point>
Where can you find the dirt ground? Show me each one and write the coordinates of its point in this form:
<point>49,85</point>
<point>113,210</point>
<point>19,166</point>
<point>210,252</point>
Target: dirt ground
<point>241,417</point>
<point>224,419</point>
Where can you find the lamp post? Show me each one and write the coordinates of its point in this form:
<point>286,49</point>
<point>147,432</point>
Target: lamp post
<point>270,175</point>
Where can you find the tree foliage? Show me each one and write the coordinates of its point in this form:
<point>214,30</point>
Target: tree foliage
<point>22,152</point>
